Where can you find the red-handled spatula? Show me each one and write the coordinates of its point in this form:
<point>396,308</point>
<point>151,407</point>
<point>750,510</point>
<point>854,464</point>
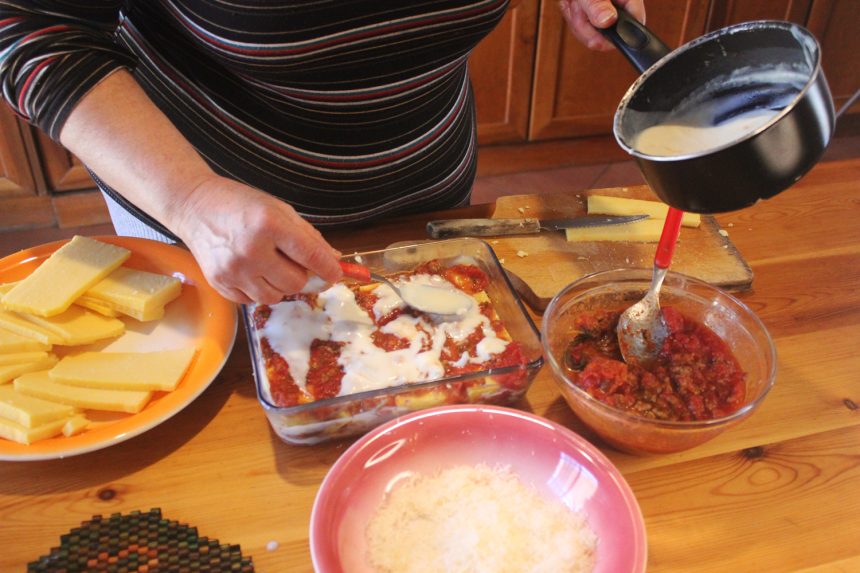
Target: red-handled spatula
<point>641,328</point>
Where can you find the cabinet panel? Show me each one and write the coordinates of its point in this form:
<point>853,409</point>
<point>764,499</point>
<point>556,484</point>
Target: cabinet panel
<point>63,171</point>
<point>501,69</point>
<point>576,90</point>
<point>16,176</point>
<point>726,12</point>
<point>836,24</point>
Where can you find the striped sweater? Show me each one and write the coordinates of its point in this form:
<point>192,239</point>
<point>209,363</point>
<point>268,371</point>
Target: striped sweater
<point>348,109</point>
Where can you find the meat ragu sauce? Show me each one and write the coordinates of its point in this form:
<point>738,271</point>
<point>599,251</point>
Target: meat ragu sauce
<point>325,372</point>
<point>695,377</point>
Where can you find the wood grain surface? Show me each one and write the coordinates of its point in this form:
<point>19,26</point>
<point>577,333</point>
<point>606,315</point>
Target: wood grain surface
<point>777,493</point>
<point>544,263</point>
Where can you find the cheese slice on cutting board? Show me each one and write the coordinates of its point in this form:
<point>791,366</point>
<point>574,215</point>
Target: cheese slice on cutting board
<point>64,276</point>
<point>8,372</point>
<point>161,370</point>
<point>609,205</point>
<point>139,294</point>
<point>13,342</point>
<point>40,385</point>
<point>644,231</point>
<point>29,411</point>
<point>76,326</point>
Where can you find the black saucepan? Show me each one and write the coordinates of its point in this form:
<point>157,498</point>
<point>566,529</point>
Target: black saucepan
<point>718,78</point>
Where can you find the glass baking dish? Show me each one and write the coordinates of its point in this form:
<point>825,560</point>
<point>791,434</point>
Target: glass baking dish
<point>355,414</point>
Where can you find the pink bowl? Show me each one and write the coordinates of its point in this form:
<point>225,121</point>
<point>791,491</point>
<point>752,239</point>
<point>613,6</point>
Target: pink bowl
<point>556,461</point>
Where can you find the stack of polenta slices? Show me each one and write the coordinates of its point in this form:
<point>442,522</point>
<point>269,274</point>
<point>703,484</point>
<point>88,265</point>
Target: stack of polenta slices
<point>81,294</point>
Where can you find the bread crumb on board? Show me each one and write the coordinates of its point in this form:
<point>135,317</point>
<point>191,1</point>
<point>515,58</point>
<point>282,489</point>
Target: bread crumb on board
<point>522,254</point>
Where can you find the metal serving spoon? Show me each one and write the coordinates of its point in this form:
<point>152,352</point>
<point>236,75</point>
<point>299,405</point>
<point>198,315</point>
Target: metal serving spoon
<point>425,298</point>
<point>641,328</point>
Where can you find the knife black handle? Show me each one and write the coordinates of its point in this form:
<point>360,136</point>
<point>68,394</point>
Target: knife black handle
<point>445,228</point>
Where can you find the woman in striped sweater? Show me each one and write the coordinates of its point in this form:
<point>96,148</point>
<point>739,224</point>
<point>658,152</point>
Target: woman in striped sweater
<point>240,126</point>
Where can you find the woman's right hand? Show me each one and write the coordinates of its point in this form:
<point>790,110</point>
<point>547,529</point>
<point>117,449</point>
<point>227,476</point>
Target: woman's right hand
<point>252,247</point>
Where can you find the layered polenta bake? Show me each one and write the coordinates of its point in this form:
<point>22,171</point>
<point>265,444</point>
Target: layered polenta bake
<point>338,362</point>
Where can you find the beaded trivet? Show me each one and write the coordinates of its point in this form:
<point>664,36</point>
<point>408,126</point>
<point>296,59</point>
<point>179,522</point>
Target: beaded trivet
<point>139,543</point>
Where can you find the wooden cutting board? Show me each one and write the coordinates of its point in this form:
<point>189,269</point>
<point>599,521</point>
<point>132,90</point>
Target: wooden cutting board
<point>541,265</point>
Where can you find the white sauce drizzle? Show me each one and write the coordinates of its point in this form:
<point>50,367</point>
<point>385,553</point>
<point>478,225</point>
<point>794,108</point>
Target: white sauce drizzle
<point>432,293</point>
<point>294,325</point>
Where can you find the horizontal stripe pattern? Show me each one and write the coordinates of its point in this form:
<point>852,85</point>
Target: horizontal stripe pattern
<point>348,109</point>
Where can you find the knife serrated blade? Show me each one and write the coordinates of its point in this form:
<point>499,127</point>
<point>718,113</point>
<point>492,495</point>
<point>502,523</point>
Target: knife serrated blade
<point>445,228</point>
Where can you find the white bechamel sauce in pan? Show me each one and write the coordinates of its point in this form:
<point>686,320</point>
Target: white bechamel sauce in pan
<point>714,115</point>
<point>294,325</point>
<point>683,136</point>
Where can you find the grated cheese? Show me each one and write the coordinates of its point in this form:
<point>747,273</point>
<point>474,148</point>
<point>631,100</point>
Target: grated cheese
<point>476,519</point>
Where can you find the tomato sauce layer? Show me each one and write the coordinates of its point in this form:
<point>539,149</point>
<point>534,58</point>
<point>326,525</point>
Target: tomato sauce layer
<point>695,377</point>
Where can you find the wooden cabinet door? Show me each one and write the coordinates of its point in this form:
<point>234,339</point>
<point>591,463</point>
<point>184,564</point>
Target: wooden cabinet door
<point>501,68</point>
<point>63,171</point>
<point>836,24</point>
<point>726,12</point>
<point>576,90</point>
<point>17,179</point>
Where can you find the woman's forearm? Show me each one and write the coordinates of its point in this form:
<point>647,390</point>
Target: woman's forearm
<point>250,245</point>
<point>122,136</point>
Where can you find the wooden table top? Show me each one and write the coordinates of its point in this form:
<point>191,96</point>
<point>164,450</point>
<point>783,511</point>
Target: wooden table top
<point>779,492</point>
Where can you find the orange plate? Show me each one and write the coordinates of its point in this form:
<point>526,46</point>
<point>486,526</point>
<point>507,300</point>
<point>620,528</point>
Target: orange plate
<point>199,317</point>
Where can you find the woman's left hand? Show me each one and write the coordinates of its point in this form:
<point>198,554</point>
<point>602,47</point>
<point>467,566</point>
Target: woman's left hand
<point>584,17</point>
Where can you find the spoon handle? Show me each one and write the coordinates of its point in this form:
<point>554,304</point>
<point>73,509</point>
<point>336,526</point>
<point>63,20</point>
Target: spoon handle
<point>668,238</point>
<point>355,271</point>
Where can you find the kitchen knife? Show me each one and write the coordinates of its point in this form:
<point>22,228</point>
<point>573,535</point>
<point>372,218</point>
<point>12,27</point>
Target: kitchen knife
<point>444,228</point>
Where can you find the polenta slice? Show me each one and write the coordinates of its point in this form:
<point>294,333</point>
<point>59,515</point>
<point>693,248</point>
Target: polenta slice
<point>607,205</point>
<point>76,326</point>
<point>139,294</point>
<point>151,313</point>
<point>40,385</point>
<point>644,231</point>
<point>8,372</point>
<point>24,435</point>
<point>22,357</point>
<point>14,322</point>
<point>97,306</point>
<point>69,272</point>
<point>13,342</point>
<point>30,411</point>
<point>75,425</point>
<point>160,370</point>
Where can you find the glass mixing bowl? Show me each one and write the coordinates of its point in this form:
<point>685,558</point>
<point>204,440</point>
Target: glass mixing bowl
<point>725,315</point>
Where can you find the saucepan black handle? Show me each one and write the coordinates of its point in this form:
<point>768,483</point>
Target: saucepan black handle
<point>638,44</point>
